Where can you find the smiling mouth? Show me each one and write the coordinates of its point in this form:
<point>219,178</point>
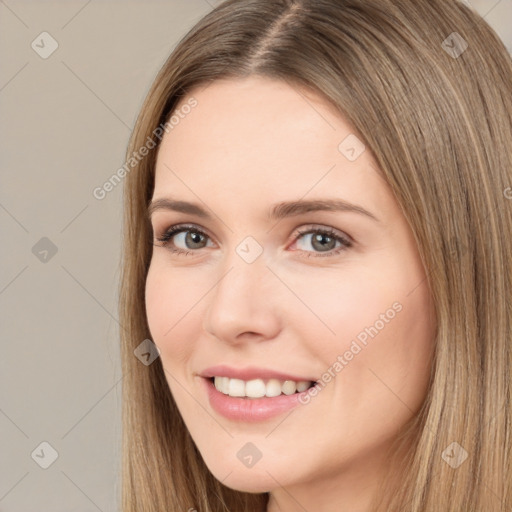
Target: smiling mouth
<point>259,388</point>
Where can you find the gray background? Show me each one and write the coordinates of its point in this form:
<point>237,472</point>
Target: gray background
<point>65,123</point>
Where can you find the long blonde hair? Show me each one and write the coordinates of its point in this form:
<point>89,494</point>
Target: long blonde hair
<point>427,84</point>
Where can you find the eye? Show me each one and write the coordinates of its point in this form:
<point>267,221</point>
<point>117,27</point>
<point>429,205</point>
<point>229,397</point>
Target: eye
<point>191,238</point>
<point>324,240</point>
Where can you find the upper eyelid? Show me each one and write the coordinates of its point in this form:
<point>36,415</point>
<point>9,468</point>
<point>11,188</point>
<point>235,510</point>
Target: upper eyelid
<point>184,227</point>
<point>297,232</point>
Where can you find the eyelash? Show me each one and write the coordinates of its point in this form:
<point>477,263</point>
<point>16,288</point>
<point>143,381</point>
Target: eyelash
<point>179,228</point>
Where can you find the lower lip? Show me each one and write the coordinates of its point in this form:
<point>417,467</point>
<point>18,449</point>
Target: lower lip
<point>249,409</point>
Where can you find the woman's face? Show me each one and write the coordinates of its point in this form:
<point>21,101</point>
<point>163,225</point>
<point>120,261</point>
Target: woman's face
<point>269,293</point>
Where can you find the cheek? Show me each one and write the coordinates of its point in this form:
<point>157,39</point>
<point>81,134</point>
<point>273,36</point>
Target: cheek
<point>397,359</point>
<point>170,300</point>
<point>352,304</point>
<point>380,319</point>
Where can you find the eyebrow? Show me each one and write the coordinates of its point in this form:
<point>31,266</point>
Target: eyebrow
<point>277,212</point>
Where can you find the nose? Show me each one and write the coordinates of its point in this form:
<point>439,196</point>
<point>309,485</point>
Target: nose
<point>244,303</point>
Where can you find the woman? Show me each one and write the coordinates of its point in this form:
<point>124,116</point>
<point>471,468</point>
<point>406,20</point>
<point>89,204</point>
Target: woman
<point>317,266</point>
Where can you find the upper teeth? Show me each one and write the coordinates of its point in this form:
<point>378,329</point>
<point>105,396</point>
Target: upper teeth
<point>257,388</point>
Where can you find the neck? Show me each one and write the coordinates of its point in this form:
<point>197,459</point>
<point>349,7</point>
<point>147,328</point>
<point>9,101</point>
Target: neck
<point>352,489</point>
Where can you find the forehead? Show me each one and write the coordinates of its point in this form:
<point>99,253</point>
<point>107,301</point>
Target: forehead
<point>256,139</point>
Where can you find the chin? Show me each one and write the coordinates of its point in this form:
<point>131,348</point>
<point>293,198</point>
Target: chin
<point>245,479</point>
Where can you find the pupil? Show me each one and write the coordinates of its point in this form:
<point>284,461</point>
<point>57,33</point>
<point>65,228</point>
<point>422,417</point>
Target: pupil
<point>196,237</point>
<point>323,240</point>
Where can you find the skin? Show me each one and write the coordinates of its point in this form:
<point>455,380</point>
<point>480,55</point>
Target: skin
<point>246,145</point>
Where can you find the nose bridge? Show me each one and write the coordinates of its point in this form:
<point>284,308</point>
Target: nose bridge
<point>245,273</point>
<point>242,299</point>
<point>242,285</point>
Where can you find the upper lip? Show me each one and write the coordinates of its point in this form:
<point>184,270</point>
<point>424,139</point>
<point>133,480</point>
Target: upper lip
<point>250,373</point>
